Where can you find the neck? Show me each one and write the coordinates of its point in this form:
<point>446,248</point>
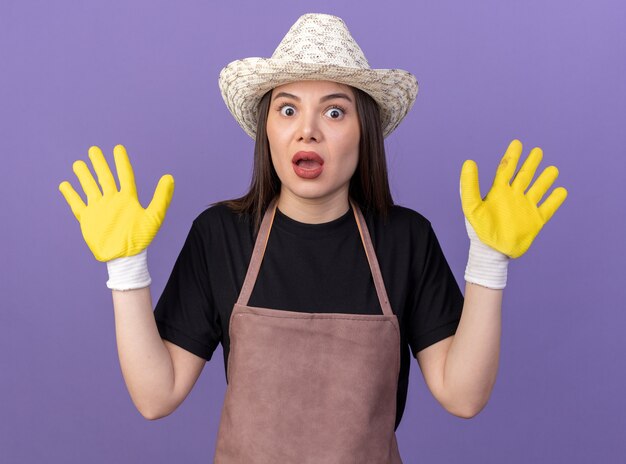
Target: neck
<point>313,210</point>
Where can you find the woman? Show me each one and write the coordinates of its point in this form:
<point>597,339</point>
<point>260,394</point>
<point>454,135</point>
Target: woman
<point>318,318</point>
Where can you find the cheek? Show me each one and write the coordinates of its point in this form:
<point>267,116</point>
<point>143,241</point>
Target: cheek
<point>275,159</point>
<point>351,149</point>
<point>355,161</point>
<point>277,136</point>
<point>275,148</point>
<point>348,161</point>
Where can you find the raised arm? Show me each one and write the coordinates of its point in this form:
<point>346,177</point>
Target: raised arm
<point>461,370</point>
<point>118,230</point>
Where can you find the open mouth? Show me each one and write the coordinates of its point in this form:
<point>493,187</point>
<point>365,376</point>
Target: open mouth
<point>307,164</point>
<point>307,158</point>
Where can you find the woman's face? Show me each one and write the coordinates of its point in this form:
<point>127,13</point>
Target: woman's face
<point>313,131</point>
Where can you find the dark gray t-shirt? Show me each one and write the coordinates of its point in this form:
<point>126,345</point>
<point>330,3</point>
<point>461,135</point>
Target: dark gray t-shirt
<point>310,268</point>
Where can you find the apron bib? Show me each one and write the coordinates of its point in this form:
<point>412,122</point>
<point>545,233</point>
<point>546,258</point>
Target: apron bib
<point>310,388</point>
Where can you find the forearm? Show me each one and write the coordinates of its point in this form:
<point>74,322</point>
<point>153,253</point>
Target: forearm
<point>472,361</point>
<point>145,361</point>
<point>500,225</point>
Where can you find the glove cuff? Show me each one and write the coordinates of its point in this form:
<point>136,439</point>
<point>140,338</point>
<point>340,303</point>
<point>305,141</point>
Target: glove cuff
<point>485,266</point>
<point>129,272</point>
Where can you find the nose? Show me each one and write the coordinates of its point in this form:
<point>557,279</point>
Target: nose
<point>309,130</point>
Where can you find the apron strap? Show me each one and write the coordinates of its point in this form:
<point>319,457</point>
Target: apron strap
<point>261,244</point>
<point>372,260</point>
<point>257,254</point>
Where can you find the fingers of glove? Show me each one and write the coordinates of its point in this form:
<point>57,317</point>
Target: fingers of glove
<point>162,198</point>
<point>470,188</point>
<point>542,184</point>
<point>527,171</point>
<point>124,171</point>
<point>87,182</point>
<point>73,199</point>
<point>105,177</point>
<point>552,203</point>
<point>508,163</point>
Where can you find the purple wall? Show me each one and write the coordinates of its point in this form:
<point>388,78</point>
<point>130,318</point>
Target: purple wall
<point>144,73</point>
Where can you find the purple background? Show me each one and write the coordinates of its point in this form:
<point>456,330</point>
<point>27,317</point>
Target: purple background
<point>144,73</point>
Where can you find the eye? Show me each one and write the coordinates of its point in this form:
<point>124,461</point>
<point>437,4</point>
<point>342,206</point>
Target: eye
<point>287,110</point>
<point>336,112</point>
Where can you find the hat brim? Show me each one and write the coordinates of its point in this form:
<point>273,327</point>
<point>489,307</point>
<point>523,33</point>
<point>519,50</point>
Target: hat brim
<point>244,82</point>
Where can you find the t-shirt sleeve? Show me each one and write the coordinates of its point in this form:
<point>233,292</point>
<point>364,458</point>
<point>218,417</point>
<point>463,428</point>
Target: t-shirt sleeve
<point>184,313</point>
<point>437,299</point>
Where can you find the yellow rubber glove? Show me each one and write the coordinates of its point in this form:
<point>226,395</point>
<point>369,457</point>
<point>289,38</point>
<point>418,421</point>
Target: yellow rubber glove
<point>508,218</point>
<point>113,223</point>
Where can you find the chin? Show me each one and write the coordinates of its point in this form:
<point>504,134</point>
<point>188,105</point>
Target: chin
<point>309,193</point>
<point>313,192</point>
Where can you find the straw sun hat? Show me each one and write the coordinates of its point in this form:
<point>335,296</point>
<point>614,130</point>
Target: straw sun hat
<point>317,47</point>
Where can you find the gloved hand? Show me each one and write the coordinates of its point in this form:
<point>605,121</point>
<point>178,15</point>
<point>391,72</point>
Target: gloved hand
<point>508,219</point>
<point>113,223</point>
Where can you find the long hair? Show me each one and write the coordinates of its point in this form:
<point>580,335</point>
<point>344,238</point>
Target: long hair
<point>369,185</point>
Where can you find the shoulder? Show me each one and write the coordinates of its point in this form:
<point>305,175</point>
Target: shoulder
<point>219,213</point>
<point>401,220</point>
<point>404,232</point>
<point>219,219</point>
<point>403,215</point>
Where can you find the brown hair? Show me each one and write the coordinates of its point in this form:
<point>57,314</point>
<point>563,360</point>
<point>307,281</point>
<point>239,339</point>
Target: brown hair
<point>369,186</point>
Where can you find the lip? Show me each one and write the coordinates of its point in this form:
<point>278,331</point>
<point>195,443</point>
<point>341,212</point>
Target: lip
<point>308,155</point>
<point>307,173</point>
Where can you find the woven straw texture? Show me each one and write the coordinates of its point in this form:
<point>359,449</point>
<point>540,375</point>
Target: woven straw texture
<point>317,47</point>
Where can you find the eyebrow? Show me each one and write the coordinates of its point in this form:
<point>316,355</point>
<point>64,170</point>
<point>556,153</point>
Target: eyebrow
<point>331,96</point>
